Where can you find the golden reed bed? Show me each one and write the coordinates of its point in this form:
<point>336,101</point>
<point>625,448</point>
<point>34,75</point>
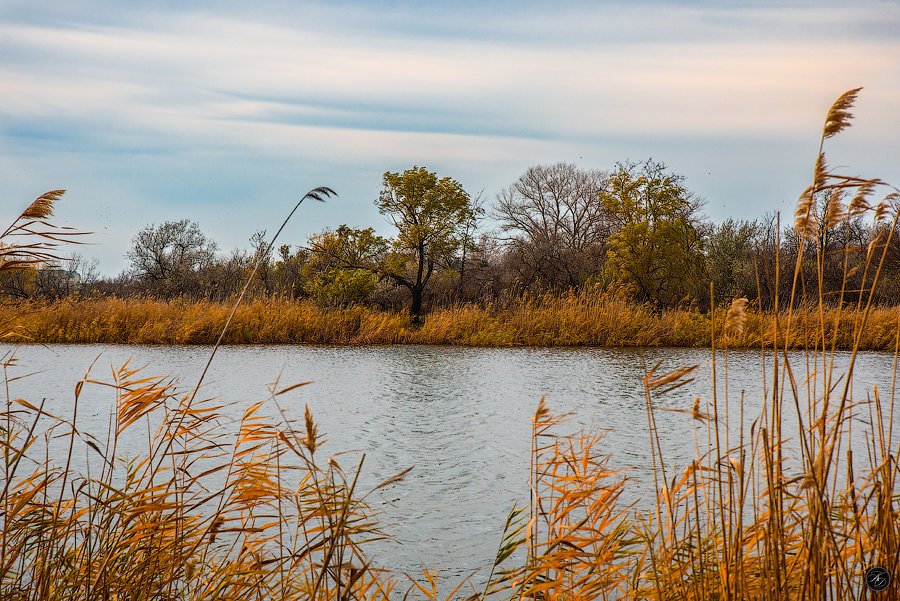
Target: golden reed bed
<point>593,317</point>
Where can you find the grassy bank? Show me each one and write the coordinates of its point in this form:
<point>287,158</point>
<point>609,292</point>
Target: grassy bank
<point>592,317</point>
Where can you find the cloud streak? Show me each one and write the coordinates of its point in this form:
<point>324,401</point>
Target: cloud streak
<point>481,92</point>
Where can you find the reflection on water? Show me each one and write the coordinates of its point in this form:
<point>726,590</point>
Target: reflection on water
<point>461,416</point>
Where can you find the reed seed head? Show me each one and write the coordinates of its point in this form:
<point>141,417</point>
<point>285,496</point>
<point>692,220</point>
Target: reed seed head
<point>215,527</point>
<point>736,316</point>
<point>820,177</point>
<point>859,203</point>
<point>884,208</point>
<point>42,207</point>
<point>839,115</point>
<point>871,246</point>
<point>698,415</point>
<point>804,222</point>
<point>190,568</point>
<point>311,431</point>
<point>541,413</point>
<point>835,211</point>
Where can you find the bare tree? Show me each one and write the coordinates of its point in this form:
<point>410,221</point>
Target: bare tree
<point>66,277</point>
<point>468,244</point>
<point>556,224</point>
<point>166,255</point>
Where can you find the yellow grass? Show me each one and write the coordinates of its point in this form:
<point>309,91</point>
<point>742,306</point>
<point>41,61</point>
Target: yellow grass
<point>593,317</point>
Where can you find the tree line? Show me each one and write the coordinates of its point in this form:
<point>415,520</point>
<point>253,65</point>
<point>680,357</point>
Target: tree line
<point>556,229</point>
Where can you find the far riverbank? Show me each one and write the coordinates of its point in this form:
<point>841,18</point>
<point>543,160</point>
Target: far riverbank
<point>590,318</point>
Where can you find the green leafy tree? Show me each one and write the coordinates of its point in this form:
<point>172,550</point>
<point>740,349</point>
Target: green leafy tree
<point>345,265</point>
<point>347,248</point>
<point>430,215</point>
<point>342,287</point>
<point>657,248</point>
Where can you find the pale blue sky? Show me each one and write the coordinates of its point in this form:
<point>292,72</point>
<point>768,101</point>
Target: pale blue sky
<point>225,113</point>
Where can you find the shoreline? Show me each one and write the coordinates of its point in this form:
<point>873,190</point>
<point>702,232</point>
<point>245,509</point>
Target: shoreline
<point>589,319</point>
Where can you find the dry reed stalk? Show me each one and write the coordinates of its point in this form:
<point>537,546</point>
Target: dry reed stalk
<point>130,534</point>
<point>141,529</point>
<point>804,541</point>
<point>738,523</point>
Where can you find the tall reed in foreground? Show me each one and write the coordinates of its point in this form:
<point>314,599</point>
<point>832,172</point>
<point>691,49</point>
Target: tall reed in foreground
<point>237,510</point>
<point>762,512</point>
<point>771,514</point>
<point>209,509</point>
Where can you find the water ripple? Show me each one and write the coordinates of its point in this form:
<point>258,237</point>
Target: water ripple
<point>460,415</point>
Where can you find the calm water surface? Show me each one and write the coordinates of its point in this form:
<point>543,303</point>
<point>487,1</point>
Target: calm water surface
<point>461,416</point>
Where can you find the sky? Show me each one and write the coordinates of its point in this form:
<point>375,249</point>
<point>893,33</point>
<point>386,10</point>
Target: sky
<point>227,112</point>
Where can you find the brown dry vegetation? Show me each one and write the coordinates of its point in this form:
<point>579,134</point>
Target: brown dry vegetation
<point>591,317</point>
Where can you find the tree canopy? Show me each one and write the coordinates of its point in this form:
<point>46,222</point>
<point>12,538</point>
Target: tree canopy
<point>430,215</point>
<point>557,224</point>
<point>168,251</point>
<point>560,227</point>
<point>657,248</point>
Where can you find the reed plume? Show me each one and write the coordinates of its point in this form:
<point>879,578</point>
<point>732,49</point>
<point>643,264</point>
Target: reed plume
<point>804,217</point>
<point>839,116</point>
<point>42,239</point>
<point>736,317</point>
<point>42,207</point>
<point>834,213</point>
<point>312,436</point>
<point>742,521</point>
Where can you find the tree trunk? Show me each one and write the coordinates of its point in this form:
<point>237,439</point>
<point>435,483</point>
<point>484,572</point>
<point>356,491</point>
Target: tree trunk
<point>415,309</point>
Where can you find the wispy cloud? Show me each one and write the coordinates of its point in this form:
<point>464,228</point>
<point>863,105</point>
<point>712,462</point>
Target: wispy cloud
<point>481,90</point>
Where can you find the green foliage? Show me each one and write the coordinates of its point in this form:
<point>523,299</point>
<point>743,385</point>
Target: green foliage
<point>347,248</point>
<point>729,258</point>
<point>658,247</point>
<point>344,265</point>
<point>430,215</point>
<point>336,286</point>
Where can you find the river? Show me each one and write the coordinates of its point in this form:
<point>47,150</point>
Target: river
<point>461,416</point>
